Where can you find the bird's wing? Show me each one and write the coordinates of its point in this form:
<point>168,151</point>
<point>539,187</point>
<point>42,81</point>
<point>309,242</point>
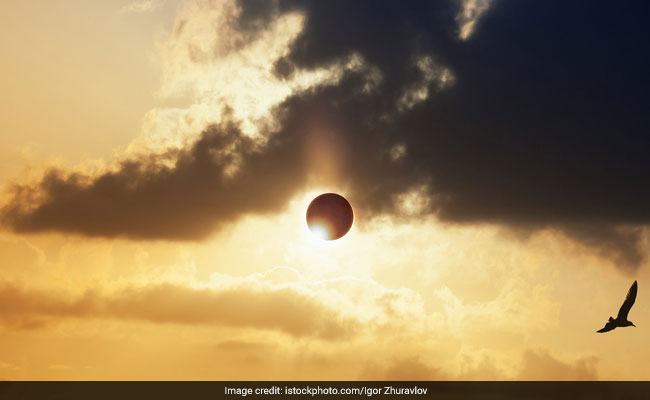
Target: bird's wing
<point>608,327</point>
<point>627,304</point>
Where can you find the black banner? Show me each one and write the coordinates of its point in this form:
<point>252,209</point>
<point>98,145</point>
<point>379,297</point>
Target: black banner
<point>236,390</point>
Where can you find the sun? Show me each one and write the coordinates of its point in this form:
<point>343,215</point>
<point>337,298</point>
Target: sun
<point>319,231</point>
<point>329,216</point>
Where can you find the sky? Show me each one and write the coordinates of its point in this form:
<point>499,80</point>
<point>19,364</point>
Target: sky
<point>157,158</point>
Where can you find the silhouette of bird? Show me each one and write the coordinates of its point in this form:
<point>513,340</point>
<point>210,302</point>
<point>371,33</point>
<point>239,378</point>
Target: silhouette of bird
<point>621,319</point>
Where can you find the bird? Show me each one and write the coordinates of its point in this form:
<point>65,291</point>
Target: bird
<point>621,319</point>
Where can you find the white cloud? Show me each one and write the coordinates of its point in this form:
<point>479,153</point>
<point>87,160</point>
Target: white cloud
<point>471,12</point>
<point>214,69</point>
<point>434,77</point>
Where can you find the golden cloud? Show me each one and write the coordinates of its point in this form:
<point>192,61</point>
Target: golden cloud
<point>279,309</point>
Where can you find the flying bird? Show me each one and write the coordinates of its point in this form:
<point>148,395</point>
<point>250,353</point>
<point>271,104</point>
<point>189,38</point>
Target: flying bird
<point>621,319</point>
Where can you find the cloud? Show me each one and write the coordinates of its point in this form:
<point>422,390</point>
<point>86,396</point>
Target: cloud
<point>470,13</point>
<point>280,309</point>
<point>526,365</point>
<point>402,369</point>
<point>142,6</point>
<point>518,307</point>
<point>483,367</point>
<point>146,198</point>
<point>213,65</point>
<point>529,136</point>
<point>541,365</point>
<point>169,187</point>
<point>533,364</point>
<point>537,129</point>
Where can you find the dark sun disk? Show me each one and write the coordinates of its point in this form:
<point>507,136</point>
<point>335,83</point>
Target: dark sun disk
<point>330,215</point>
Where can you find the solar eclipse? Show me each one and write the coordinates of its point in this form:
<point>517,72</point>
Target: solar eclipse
<point>329,216</point>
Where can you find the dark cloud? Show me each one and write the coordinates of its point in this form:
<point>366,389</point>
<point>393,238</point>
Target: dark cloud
<point>144,198</point>
<point>284,310</point>
<point>545,126</point>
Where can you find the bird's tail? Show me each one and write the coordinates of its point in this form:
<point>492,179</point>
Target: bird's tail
<point>611,319</point>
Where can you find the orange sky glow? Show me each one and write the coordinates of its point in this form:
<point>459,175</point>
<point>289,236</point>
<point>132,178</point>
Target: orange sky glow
<point>248,292</point>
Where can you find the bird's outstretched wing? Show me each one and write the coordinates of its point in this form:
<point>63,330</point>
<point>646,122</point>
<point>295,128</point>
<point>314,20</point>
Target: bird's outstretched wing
<point>627,304</point>
<point>608,326</point>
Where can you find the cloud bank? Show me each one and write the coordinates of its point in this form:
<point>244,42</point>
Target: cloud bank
<point>279,309</point>
<point>534,121</point>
